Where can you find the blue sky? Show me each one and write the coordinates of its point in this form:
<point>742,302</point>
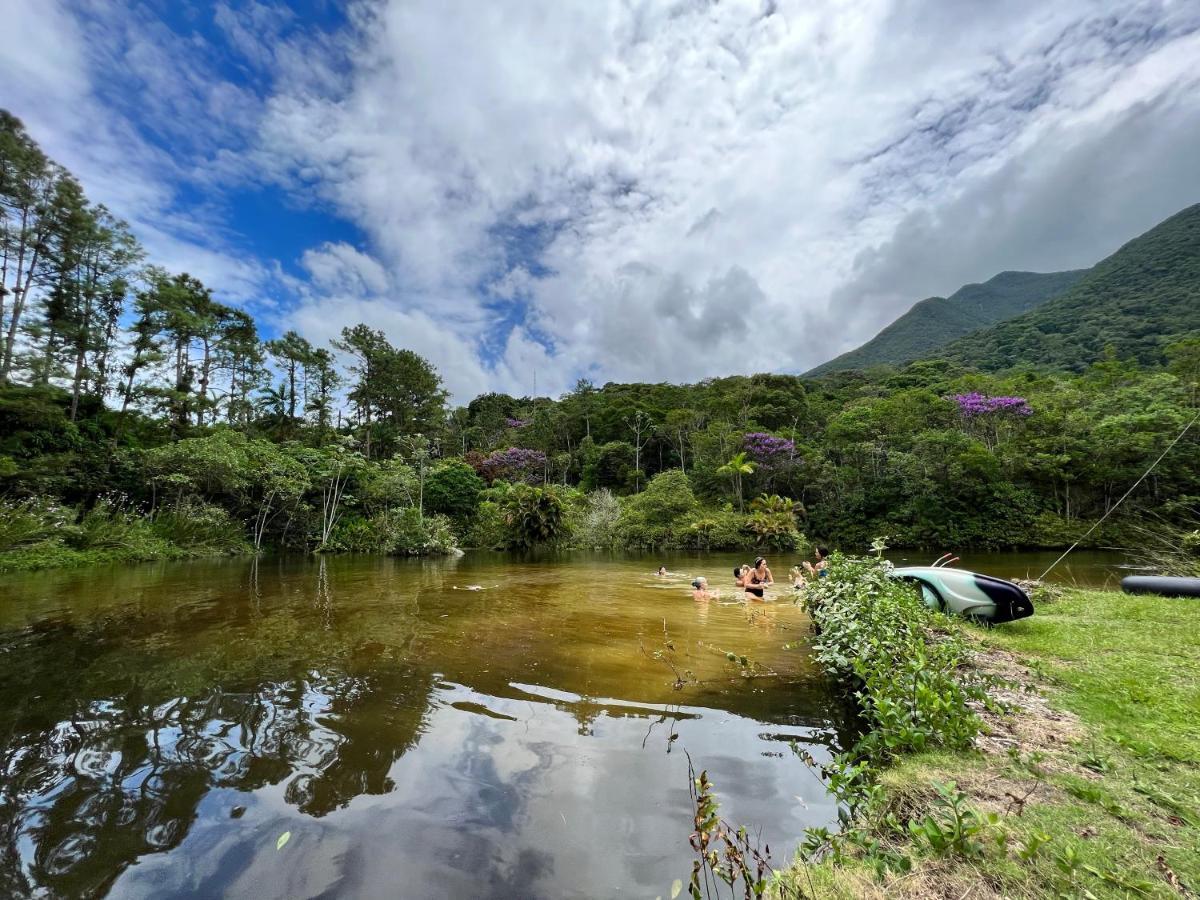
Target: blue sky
<point>618,190</point>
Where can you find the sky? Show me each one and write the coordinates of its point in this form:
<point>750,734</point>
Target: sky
<point>535,191</point>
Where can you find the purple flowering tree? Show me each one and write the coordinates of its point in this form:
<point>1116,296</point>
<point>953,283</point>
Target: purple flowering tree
<point>990,418</point>
<point>773,456</point>
<point>766,449</point>
<point>517,423</point>
<point>515,464</point>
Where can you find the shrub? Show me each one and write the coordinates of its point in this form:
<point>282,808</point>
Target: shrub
<point>874,632</point>
<point>453,489</point>
<point>660,515</point>
<point>113,525</point>
<point>487,528</point>
<point>533,517</point>
<point>195,525</point>
<point>773,523</point>
<point>715,529</point>
<point>30,521</point>
<point>595,525</point>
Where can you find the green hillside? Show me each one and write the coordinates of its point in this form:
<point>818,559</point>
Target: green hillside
<point>931,323</point>
<point>1137,301</point>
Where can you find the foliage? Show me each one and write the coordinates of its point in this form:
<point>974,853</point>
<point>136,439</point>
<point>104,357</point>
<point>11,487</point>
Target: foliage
<point>1130,305</point>
<point>453,489</point>
<point>533,517</point>
<point>596,526</point>
<point>773,523</point>
<point>929,324</point>
<point>660,515</point>
<point>514,464</point>
<point>911,687</point>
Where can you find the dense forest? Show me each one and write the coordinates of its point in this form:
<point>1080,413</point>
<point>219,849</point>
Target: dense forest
<point>141,417</point>
<point>926,329</point>
<point>1136,303</point>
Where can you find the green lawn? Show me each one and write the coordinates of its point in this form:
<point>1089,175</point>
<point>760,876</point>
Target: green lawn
<point>1117,804</point>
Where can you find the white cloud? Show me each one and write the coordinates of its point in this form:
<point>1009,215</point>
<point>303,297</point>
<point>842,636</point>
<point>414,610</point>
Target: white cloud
<point>633,190</point>
<point>727,190</point>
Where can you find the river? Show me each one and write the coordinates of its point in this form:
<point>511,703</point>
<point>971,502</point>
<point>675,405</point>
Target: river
<point>367,726</point>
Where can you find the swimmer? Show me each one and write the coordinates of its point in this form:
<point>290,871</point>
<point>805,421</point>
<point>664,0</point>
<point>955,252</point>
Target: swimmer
<point>758,580</point>
<point>662,572</point>
<point>820,568</point>
<point>700,590</point>
<point>739,575</point>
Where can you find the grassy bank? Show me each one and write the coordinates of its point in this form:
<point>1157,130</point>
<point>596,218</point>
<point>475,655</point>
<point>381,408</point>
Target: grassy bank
<point>1087,785</point>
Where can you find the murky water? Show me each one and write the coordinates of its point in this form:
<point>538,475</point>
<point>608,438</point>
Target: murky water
<point>164,726</point>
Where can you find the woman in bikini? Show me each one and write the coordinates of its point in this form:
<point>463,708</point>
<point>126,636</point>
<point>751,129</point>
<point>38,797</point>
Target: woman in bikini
<point>758,579</point>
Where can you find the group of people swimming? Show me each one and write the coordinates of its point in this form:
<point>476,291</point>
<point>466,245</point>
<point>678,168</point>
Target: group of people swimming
<point>754,580</point>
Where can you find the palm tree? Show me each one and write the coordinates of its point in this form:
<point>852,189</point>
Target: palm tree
<point>735,469</point>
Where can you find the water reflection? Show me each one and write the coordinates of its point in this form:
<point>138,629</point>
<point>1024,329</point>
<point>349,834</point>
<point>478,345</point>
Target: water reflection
<point>163,726</point>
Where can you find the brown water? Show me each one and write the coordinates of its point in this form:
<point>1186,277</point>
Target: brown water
<point>164,725</point>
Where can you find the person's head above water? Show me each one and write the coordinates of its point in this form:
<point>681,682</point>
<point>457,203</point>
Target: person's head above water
<point>662,570</point>
<point>700,583</point>
<point>760,562</point>
<point>822,552</point>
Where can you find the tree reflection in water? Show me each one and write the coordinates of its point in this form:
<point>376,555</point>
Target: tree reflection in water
<point>90,785</point>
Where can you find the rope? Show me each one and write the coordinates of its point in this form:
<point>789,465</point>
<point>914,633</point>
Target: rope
<point>1113,508</point>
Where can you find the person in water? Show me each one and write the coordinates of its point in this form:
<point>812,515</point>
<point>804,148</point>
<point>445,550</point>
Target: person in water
<point>797,576</point>
<point>758,579</point>
<point>739,575</point>
<point>820,568</point>
<point>662,572</point>
<point>700,589</point>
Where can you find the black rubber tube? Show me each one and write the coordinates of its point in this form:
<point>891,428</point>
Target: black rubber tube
<point>1166,585</point>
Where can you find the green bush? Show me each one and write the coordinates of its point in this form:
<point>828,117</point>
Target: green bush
<point>594,522</point>
<point>27,522</point>
<point>660,515</point>
<point>486,528</point>
<point>874,633</point>
<point>411,535</point>
<point>200,527</point>
<point>113,525</point>
<point>533,517</point>
<point>453,489</point>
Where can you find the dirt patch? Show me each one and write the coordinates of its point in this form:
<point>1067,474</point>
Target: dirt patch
<point>1028,724</point>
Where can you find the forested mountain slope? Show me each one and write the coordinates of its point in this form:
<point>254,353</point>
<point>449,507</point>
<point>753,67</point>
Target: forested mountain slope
<point>931,323</point>
<point>1138,301</point>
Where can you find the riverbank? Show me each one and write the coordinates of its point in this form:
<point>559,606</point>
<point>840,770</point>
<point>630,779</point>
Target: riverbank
<point>1087,785</point>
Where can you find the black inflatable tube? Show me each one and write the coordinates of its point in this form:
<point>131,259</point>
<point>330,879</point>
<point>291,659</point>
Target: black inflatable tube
<point>1161,584</point>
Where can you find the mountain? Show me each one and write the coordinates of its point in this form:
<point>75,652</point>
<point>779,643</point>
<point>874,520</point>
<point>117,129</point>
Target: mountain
<point>930,324</point>
<point>1137,301</point>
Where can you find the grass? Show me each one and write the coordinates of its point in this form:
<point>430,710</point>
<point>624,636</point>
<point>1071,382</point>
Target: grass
<point>1095,781</point>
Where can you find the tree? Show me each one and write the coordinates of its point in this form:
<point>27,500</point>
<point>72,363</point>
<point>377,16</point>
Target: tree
<point>294,354</point>
<point>737,468</point>
<point>32,194</point>
<point>453,489</point>
<point>323,380</point>
<point>641,426</point>
<point>396,389</point>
